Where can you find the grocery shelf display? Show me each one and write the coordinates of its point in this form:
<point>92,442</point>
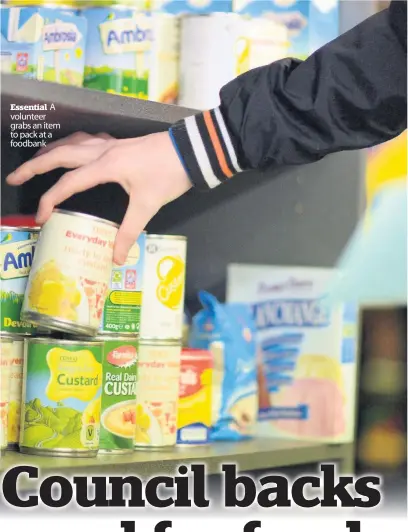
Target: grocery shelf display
<point>266,218</point>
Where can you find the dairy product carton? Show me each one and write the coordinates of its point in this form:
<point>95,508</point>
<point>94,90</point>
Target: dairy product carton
<point>307,352</point>
<point>17,58</point>
<point>195,7</point>
<point>311,23</point>
<point>57,39</point>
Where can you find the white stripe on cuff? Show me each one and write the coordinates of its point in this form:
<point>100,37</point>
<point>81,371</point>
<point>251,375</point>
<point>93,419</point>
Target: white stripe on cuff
<point>200,152</point>
<point>227,140</point>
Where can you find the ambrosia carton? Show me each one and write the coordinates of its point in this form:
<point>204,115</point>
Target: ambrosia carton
<point>311,23</point>
<point>307,365</point>
<point>132,53</point>
<point>57,38</point>
<point>196,7</point>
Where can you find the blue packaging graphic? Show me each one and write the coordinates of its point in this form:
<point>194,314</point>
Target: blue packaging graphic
<point>311,23</point>
<point>195,7</point>
<point>229,332</point>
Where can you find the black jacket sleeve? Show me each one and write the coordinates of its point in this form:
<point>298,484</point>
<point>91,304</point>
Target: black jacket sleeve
<point>350,94</point>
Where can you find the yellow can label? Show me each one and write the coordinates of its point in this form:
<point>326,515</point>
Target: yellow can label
<point>71,270</point>
<point>157,395</point>
<point>16,387</point>
<point>5,356</point>
<point>163,288</point>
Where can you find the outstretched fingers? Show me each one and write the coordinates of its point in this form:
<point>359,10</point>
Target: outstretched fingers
<point>138,214</point>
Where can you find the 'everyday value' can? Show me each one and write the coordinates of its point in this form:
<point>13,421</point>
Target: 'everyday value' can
<point>6,346</point>
<point>17,252</point>
<point>163,287</point>
<point>157,394</point>
<point>16,388</point>
<point>132,52</point>
<point>118,401</point>
<point>121,312</point>
<point>70,274</point>
<point>60,414</point>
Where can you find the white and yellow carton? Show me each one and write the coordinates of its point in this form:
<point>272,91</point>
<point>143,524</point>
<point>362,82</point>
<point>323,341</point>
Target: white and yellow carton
<point>192,7</point>
<point>132,53</point>
<point>310,23</point>
<point>57,38</point>
<point>307,367</point>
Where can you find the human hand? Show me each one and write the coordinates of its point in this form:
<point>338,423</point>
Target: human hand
<point>148,169</point>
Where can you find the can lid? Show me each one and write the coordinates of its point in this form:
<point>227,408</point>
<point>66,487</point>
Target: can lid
<point>161,341</point>
<point>27,228</point>
<point>118,337</point>
<point>103,336</point>
<point>88,216</point>
<point>56,341</point>
<point>166,237</point>
<point>14,336</point>
<point>8,337</point>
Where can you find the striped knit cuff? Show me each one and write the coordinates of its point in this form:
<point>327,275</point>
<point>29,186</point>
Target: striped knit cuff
<point>205,149</point>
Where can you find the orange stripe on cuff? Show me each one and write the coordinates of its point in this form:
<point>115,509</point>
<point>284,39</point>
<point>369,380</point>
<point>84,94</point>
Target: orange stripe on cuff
<point>217,144</point>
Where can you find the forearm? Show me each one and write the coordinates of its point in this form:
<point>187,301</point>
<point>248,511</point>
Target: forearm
<point>350,94</point>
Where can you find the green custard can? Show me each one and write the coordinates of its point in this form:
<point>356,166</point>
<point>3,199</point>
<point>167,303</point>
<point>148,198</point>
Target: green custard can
<point>17,246</point>
<point>118,402</point>
<point>61,403</point>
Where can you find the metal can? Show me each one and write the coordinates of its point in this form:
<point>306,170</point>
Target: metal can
<point>121,312</point>
<point>132,52</point>
<point>216,48</point>
<point>16,388</point>
<point>157,394</point>
<point>70,274</point>
<point>118,402</point>
<point>194,411</point>
<point>60,414</point>
<point>17,247</point>
<point>6,346</point>
<point>163,287</point>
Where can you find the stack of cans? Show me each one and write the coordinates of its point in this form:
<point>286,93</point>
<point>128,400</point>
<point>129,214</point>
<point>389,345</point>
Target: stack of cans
<point>17,247</point>
<point>90,351</point>
<point>161,332</point>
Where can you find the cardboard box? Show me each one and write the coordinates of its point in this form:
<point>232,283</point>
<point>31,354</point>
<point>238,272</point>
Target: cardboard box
<point>307,367</point>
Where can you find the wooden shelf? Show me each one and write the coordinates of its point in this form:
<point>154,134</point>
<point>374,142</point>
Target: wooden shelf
<point>79,109</point>
<point>253,455</point>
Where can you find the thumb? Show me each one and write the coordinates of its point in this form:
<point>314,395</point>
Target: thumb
<point>138,215</point>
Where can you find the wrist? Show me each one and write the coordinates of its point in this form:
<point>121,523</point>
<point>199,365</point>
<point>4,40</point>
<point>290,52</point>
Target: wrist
<point>204,147</point>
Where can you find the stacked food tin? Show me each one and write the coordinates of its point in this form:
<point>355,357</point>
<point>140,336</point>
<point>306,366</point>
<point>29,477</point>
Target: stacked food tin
<point>65,293</point>
<point>17,247</point>
<point>161,332</point>
<point>119,331</point>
